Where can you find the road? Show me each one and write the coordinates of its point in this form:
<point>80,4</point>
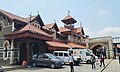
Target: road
<point>65,68</point>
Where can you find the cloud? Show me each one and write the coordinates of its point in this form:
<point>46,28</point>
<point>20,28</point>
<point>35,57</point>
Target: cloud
<point>89,32</point>
<point>103,13</point>
<point>108,31</point>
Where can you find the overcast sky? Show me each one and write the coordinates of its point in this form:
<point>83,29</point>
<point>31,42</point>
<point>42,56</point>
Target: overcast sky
<point>98,17</point>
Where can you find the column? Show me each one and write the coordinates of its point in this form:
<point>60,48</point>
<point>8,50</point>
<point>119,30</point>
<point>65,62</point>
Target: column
<point>12,52</point>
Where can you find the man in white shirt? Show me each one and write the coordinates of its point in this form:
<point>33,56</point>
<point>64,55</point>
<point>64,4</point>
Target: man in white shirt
<point>71,62</point>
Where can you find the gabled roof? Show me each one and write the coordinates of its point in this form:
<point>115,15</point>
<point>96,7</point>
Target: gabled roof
<point>51,25</point>
<point>12,16</point>
<point>78,30</point>
<point>37,18</point>
<point>68,20</point>
<point>30,29</point>
<point>67,17</point>
<point>63,29</point>
<point>33,29</point>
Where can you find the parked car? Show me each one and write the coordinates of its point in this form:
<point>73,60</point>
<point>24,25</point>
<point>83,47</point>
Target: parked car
<point>47,59</point>
<point>65,56</point>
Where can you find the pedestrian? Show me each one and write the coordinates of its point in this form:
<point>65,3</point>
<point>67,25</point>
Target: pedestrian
<point>102,60</point>
<point>119,58</point>
<point>71,62</point>
<point>93,60</point>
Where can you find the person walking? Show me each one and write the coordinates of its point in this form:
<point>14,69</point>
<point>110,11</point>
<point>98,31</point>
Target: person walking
<point>102,60</point>
<point>93,60</point>
<point>71,62</point>
<point>119,58</point>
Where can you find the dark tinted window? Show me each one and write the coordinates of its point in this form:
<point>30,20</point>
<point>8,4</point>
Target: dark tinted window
<point>65,54</point>
<point>40,56</point>
<point>88,54</point>
<point>60,54</point>
<point>56,54</point>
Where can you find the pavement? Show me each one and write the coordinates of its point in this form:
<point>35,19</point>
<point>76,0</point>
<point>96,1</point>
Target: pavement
<point>114,66</point>
<point>111,66</point>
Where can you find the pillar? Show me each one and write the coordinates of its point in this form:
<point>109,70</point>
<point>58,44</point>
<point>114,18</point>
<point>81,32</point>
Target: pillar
<point>12,53</point>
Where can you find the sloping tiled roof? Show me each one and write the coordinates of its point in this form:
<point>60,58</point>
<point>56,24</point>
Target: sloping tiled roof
<point>50,25</point>
<point>57,44</point>
<point>63,29</point>
<point>67,17</point>
<point>77,30</point>
<point>32,28</point>
<point>75,45</point>
<point>68,20</point>
<point>12,16</point>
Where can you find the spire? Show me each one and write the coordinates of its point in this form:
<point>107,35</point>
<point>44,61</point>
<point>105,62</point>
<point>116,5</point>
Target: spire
<point>54,21</point>
<point>37,12</point>
<point>30,16</point>
<point>68,12</point>
<point>80,24</point>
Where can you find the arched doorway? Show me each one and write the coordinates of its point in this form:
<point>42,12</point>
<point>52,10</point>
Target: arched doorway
<point>98,49</point>
<point>23,52</point>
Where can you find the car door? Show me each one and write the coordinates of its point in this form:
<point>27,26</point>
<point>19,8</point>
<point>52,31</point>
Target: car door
<point>46,60</point>
<point>40,59</point>
<point>66,57</point>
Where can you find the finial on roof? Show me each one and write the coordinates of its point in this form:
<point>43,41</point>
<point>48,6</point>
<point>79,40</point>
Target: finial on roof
<point>80,24</point>
<point>54,21</point>
<point>37,12</point>
<point>68,12</point>
<point>30,16</point>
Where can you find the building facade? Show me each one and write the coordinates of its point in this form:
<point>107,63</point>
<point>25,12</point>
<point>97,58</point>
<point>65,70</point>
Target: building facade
<point>21,38</point>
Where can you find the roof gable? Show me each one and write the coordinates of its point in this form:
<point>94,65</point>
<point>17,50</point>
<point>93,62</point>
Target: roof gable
<point>13,16</point>
<point>51,25</point>
<point>35,19</point>
<point>78,30</point>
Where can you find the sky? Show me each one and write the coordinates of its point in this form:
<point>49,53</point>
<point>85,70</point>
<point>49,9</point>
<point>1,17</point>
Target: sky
<point>99,18</point>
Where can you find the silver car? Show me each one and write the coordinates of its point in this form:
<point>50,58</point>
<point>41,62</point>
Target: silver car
<point>47,59</point>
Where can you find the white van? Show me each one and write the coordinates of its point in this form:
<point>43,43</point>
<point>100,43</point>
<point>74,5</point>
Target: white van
<point>65,56</point>
<point>85,54</point>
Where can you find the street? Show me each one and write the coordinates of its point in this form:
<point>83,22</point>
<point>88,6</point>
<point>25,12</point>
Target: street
<point>65,68</point>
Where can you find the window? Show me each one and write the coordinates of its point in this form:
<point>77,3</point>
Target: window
<point>60,54</point>
<point>40,56</point>
<point>15,54</point>
<point>56,54</point>
<point>80,52</point>
<point>88,54</point>
<point>65,54</point>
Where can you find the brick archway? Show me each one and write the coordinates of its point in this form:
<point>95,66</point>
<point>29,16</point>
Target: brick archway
<point>99,48</point>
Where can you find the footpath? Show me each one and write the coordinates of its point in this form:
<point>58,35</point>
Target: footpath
<point>114,66</point>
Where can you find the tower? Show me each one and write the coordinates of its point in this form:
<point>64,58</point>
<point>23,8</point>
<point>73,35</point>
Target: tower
<point>69,21</point>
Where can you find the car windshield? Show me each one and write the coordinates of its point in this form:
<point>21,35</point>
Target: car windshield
<point>51,56</point>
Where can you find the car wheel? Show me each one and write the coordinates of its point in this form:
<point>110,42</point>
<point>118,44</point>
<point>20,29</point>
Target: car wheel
<point>34,64</point>
<point>88,62</point>
<point>52,65</point>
